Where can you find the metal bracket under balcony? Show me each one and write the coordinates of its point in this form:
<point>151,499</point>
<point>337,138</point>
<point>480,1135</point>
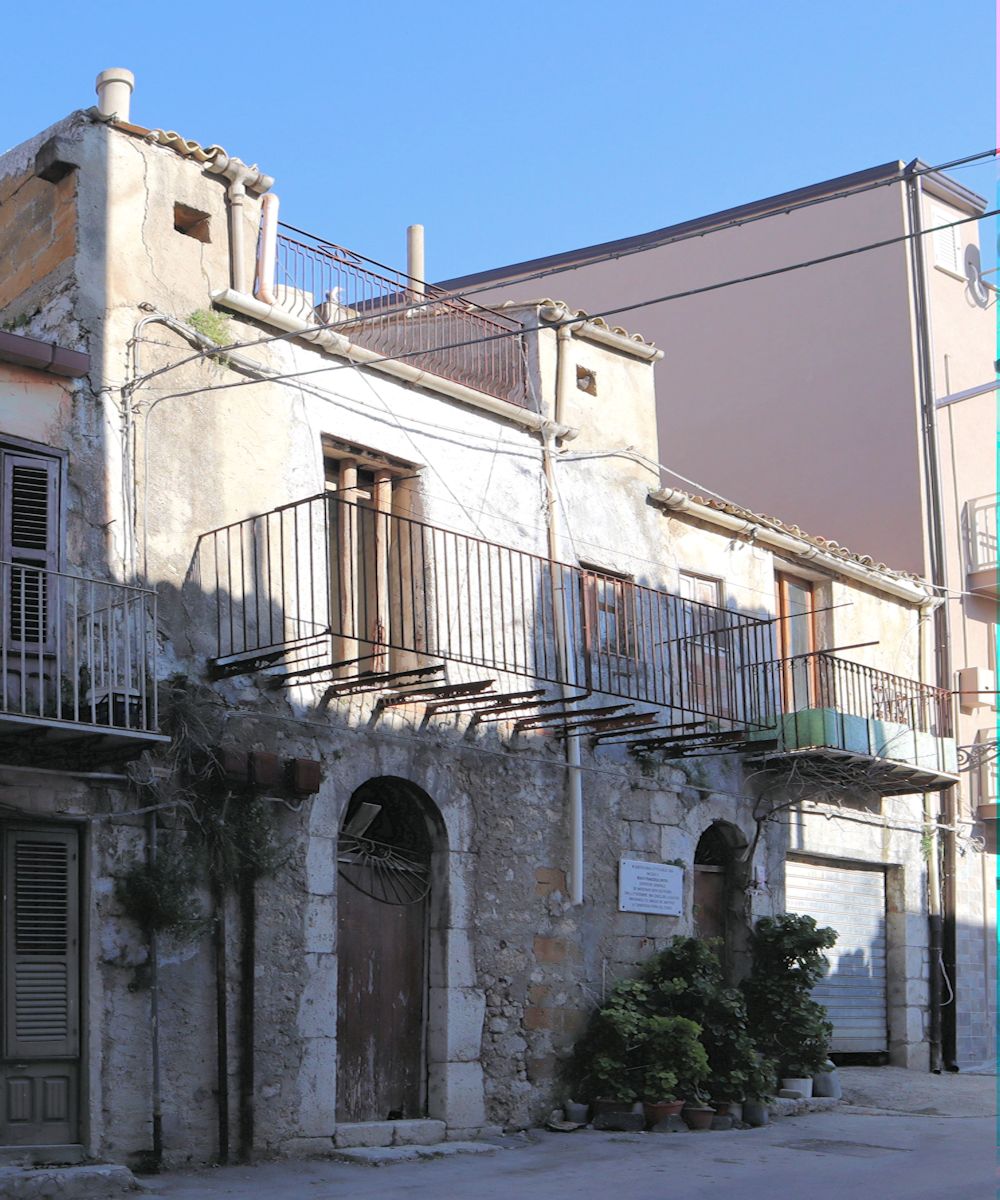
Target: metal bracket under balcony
<point>853,726</point>
<point>358,598</point>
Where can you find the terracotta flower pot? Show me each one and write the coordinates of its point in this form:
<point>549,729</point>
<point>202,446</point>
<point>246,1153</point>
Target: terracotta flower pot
<point>659,1110</point>
<point>698,1118</point>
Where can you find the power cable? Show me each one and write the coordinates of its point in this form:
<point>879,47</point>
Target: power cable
<point>521,329</point>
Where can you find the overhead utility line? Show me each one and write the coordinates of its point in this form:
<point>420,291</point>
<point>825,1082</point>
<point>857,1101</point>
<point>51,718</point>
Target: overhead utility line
<point>363,318</point>
<point>267,377</point>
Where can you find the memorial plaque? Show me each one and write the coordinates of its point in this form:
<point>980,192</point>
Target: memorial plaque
<point>650,887</point>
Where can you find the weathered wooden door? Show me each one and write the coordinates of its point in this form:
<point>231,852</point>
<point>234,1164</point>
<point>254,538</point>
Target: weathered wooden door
<point>710,901</point>
<point>382,922</point>
<point>380,1002</point>
<point>39,986</point>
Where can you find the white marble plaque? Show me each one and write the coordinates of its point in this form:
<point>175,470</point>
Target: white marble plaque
<point>650,887</point>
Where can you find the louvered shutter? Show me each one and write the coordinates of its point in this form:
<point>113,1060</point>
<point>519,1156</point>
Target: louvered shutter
<point>947,242</point>
<point>41,943</point>
<point>29,514</point>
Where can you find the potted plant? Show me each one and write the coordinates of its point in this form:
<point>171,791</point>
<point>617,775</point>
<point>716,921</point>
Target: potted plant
<point>758,1089</point>
<point>788,1024</point>
<point>677,1064</point>
<point>607,1062</point>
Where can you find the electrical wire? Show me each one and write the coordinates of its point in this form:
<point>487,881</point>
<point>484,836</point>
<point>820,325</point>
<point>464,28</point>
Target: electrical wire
<point>703,230</point>
<point>686,294</point>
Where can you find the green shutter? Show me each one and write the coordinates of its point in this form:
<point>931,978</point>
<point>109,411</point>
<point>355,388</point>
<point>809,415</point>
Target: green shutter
<point>41,943</point>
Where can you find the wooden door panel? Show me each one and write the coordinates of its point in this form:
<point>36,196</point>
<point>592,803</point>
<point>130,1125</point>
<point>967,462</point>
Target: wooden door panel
<point>709,902</point>
<point>380,1002</point>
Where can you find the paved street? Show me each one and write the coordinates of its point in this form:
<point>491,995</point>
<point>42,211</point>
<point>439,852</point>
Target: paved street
<point>900,1153</point>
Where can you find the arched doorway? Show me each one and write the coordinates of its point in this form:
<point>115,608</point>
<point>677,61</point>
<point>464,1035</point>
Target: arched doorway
<point>719,892</point>
<point>385,867</point>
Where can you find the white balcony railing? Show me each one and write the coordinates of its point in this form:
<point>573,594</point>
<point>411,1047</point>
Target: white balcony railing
<point>981,534</point>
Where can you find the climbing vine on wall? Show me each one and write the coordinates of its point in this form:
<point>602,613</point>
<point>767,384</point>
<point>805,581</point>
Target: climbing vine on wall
<point>211,833</point>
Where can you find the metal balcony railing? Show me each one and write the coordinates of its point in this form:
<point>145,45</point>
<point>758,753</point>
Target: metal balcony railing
<point>387,312</point>
<point>76,650</point>
<point>982,547</point>
<point>340,584</point>
<point>821,680</point>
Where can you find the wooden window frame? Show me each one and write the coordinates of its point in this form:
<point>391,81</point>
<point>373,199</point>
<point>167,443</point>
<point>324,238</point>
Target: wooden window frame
<point>782,580</point>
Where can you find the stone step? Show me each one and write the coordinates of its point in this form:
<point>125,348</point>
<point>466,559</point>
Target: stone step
<point>381,1156</point>
<point>90,1182</point>
<point>372,1134</point>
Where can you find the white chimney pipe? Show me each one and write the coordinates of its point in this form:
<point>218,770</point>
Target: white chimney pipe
<point>415,258</point>
<point>114,92</point>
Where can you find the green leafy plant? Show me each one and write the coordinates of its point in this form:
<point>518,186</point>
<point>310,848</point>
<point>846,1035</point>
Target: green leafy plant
<point>788,962</point>
<point>211,324</point>
<point>161,896</point>
<point>687,980</point>
<point>632,1051</point>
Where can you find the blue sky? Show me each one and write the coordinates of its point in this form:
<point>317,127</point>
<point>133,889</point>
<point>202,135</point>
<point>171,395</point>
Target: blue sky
<point>514,130</point>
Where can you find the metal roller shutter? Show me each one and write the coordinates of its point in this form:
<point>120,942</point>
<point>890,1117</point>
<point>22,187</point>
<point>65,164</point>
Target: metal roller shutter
<point>852,900</point>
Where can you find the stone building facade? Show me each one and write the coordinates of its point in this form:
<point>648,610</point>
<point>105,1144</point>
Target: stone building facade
<point>392,576</point>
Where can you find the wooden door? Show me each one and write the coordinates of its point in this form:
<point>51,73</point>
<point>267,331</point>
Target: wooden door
<point>710,902</point>
<point>797,641</point>
<point>39,986</point>
<point>381,991</point>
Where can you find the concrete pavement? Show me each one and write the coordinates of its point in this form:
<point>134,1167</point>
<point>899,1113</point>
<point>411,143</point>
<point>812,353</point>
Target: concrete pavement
<point>900,1134</point>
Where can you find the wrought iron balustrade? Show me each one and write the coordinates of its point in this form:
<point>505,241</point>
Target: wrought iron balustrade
<point>822,680</point>
<point>393,315</point>
<point>76,650</point>
<point>982,550</point>
<point>343,586</point>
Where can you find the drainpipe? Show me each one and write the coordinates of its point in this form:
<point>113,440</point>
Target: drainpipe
<point>241,179</point>
<point>944,1016</point>
<point>267,249</point>
<point>248,971</point>
<point>934,927</point>
<point>221,1019</point>
<point>574,774</point>
<point>154,1009</point>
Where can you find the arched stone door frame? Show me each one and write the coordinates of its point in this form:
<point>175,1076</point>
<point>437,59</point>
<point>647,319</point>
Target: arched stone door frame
<point>391,886</point>
<point>721,876</point>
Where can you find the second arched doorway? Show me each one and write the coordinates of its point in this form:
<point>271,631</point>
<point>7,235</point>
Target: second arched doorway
<point>719,890</point>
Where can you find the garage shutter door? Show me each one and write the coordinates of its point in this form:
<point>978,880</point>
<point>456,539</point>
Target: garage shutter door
<point>851,900</point>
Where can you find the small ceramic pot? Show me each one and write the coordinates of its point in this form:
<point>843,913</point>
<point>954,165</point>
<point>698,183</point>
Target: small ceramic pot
<point>795,1083</point>
<point>756,1113</point>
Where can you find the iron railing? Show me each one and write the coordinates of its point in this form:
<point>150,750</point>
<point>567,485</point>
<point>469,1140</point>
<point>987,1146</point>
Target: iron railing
<point>325,581</point>
<point>822,680</point>
<point>982,546</point>
<point>387,312</point>
<point>77,650</point>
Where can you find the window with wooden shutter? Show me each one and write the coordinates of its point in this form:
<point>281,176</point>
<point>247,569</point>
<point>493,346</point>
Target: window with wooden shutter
<point>29,517</point>
<point>40,943</point>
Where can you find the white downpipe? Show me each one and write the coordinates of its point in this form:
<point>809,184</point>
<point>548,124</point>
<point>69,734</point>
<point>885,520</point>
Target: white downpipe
<point>272,314</point>
<point>267,251</point>
<point>241,177</point>
<point>574,775</point>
